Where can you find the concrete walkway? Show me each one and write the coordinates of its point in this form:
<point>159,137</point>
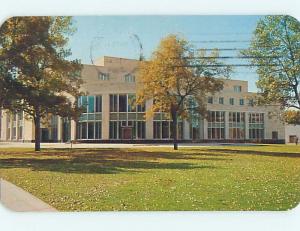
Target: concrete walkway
<point>16,199</point>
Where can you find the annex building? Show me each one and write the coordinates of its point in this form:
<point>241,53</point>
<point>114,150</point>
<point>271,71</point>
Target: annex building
<point>111,115</point>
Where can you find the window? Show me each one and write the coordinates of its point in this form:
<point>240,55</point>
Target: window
<point>126,118</point>
<point>210,99</point>
<point>216,125</point>
<point>274,135</point>
<point>98,107</point>
<point>221,100</point>
<point>89,124</point>
<point>236,125</point>
<point>231,101</point>
<point>113,103</point>
<point>91,104</point>
<point>129,78</point>
<point>241,101</point>
<point>251,102</point>
<point>256,126</point>
<point>162,127</point>
<point>122,103</point>
<point>103,76</point>
<point>237,88</point>
<point>131,103</point>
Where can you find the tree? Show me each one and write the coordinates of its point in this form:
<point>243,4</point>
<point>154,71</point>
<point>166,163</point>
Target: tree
<point>33,54</point>
<point>275,51</point>
<point>292,117</point>
<point>175,75</point>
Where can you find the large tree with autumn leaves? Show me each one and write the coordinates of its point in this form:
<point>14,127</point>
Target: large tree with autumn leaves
<point>177,75</point>
<point>35,75</point>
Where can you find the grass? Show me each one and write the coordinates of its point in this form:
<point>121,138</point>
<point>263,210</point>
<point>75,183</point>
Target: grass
<point>263,177</point>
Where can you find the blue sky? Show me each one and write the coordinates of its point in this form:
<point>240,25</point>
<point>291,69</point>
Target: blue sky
<point>114,36</point>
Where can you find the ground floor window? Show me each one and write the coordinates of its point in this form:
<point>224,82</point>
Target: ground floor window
<point>127,129</point>
<point>256,126</point>
<point>256,133</point>
<point>216,133</point>
<point>89,130</point>
<point>163,130</point>
<point>236,125</point>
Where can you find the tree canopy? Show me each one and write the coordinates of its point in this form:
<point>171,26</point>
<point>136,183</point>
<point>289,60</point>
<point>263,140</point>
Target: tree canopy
<point>177,74</point>
<point>275,52</point>
<point>36,76</point>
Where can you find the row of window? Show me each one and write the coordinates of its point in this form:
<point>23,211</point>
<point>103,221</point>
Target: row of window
<point>129,78</point>
<point>14,126</point>
<point>124,103</point>
<point>241,102</point>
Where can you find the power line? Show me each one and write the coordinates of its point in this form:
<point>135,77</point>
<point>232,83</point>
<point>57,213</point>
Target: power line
<point>226,65</point>
<point>220,41</point>
<point>232,57</point>
<point>222,49</point>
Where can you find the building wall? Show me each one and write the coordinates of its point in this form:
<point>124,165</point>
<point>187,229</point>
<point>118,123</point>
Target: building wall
<point>108,77</point>
<point>292,130</point>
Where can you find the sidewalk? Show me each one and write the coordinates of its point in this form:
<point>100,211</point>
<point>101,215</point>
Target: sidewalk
<point>16,199</point>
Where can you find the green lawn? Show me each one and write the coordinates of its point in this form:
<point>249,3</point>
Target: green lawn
<point>265,177</point>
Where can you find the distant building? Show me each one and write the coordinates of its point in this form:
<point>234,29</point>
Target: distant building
<point>112,116</point>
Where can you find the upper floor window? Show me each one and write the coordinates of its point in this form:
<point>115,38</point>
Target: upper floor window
<point>103,76</point>
<point>231,101</point>
<point>221,100</point>
<point>129,78</point>
<point>251,102</point>
<point>241,101</point>
<point>237,88</point>
<point>210,99</point>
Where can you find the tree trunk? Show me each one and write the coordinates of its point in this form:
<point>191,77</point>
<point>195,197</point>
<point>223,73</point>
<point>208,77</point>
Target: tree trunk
<point>174,128</point>
<point>37,125</point>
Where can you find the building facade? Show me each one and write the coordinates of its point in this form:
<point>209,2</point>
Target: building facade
<point>111,114</point>
<point>292,132</point>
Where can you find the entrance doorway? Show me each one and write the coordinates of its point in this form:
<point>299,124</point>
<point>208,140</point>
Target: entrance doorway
<point>127,133</point>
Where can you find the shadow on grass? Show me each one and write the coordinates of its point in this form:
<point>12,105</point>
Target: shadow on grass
<point>252,152</point>
<point>102,161</point>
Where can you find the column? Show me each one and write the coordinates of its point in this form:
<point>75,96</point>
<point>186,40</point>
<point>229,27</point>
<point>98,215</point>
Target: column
<point>72,130</point>
<point>205,126</point>
<point>226,125</point>
<point>246,126</point>
<point>59,129</point>
<point>186,130</point>
<point>105,116</point>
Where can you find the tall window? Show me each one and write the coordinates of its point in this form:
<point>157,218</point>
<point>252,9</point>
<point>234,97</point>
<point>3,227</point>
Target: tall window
<point>251,102</point>
<point>216,125</point>
<point>231,101</point>
<point>210,100</point>
<point>221,100</point>
<point>126,117</point>
<point>236,125</point>
<point>241,102</point>
<point>256,125</point>
<point>90,122</point>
